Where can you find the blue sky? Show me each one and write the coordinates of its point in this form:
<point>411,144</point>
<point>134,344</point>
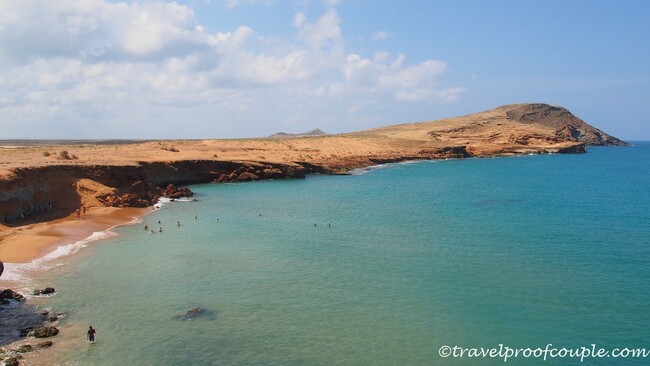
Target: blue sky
<point>249,68</point>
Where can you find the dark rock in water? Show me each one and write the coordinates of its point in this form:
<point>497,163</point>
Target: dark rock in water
<point>44,344</point>
<point>44,313</point>
<point>45,332</point>
<point>194,312</point>
<point>13,361</point>
<point>45,291</point>
<point>17,318</point>
<point>53,318</point>
<point>9,294</point>
<point>197,312</point>
<point>25,331</point>
<point>25,348</point>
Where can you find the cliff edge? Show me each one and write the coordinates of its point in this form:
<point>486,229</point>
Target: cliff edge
<point>45,181</point>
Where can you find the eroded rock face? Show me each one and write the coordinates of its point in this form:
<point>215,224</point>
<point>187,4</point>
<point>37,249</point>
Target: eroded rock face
<point>62,189</point>
<point>260,171</point>
<point>173,192</point>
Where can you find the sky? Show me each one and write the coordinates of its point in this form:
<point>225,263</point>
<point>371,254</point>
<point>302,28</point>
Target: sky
<point>195,69</point>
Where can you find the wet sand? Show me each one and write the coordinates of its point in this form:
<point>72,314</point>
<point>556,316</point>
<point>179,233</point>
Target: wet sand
<point>26,243</point>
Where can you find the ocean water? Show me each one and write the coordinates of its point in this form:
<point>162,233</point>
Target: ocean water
<point>383,267</point>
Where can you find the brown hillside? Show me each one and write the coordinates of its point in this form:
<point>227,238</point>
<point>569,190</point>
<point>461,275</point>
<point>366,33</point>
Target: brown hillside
<point>34,180</point>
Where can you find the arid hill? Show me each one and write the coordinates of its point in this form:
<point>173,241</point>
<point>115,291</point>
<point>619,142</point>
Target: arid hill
<point>53,180</point>
<point>564,123</point>
<point>314,132</point>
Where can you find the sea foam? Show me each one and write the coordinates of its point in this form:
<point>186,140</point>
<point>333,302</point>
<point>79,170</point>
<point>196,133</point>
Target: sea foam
<point>21,272</point>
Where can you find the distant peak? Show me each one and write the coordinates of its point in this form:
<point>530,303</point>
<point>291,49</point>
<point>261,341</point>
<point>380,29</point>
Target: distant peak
<point>314,132</point>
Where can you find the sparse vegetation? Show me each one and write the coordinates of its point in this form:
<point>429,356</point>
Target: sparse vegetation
<point>45,153</point>
<point>64,155</point>
<point>171,149</point>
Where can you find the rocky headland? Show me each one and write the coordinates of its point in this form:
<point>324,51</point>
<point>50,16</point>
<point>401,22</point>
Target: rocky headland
<point>42,182</point>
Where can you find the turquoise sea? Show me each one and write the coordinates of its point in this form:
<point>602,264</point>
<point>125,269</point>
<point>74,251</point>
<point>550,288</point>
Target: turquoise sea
<point>519,251</point>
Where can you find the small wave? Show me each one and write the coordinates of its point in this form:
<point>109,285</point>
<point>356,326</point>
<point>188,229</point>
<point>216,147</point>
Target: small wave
<point>20,272</point>
<point>368,169</point>
<point>185,199</point>
<point>162,201</point>
<point>74,247</point>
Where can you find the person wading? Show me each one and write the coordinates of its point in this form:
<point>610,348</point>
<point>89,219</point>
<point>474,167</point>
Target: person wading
<point>91,334</point>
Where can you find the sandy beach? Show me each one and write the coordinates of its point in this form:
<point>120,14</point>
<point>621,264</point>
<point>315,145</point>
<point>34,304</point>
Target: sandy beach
<point>26,243</point>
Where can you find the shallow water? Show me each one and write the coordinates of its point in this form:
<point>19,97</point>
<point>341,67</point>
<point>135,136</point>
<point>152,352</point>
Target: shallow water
<point>520,251</point>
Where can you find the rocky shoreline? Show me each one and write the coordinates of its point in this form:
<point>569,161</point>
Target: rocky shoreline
<point>32,193</point>
<point>30,326</point>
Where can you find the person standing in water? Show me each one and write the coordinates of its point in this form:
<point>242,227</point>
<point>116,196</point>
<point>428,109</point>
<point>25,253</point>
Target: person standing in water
<point>91,334</point>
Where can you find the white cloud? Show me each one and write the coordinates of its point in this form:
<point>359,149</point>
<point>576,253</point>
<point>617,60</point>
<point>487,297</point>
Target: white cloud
<point>450,94</point>
<point>325,29</point>
<point>145,28</point>
<point>378,36</point>
<point>299,19</point>
<point>88,67</point>
<point>235,3</point>
<point>410,83</point>
<point>95,29</point>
